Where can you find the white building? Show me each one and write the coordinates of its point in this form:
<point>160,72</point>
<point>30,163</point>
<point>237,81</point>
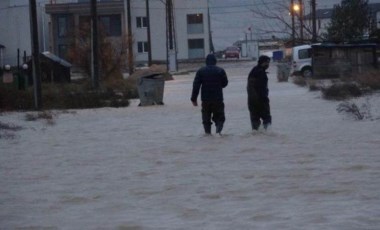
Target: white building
<point>249,49</point>
<point>191,26</point>
<point>15,30</point>
<point>56,17</point>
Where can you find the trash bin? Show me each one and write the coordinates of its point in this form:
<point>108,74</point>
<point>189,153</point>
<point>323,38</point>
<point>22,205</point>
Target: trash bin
<point>20,80</point>
<point>283,71</point>
<point>151,89</point>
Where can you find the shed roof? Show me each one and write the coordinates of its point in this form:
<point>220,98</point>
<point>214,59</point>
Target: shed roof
<point>55,58</point>
<point>320,14</point>
<point>332,45</point>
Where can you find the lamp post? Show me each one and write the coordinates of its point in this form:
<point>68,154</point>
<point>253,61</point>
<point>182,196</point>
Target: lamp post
<point>301,18</point>
<point>313,13</point>
<point>35,55</point>
<point>94,45</point>
<point>148,33</point>
<point>24,76</point>
<point>128,18</point>
<point>292,16</point>
<point>298,9</point>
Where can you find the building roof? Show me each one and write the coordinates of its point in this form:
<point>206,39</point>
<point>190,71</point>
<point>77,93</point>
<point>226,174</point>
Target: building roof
<point>56,59</point>
<point>320,14</point>
<point>327,13</point>
<point>331,45</point>
<point>84,7</point>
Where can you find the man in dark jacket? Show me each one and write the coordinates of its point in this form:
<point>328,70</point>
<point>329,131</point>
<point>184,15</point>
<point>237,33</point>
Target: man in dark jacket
<point>211,79</point>
<point>258,100</point>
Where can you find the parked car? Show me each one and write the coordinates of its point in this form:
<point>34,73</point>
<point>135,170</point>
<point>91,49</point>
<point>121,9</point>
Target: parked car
<point>301,61</point>
<point>232,52</point>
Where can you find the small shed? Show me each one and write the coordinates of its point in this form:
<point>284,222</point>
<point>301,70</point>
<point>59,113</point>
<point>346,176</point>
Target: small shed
<point>336,61</point>
<point>54,68</point>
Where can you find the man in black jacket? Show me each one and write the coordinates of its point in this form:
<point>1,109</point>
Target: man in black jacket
<point>211,79</point>
<point>258,100</point>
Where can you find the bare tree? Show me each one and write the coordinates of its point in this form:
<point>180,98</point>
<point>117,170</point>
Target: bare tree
<point>280,14</point>
<point>112,52</point>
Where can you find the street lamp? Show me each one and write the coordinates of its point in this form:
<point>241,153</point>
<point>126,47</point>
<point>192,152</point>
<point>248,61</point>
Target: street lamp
<point>296,7</point>
<point>292,16</point>
<point>299,9</point>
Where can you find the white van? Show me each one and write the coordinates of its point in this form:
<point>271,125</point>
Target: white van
<point>301,61</point>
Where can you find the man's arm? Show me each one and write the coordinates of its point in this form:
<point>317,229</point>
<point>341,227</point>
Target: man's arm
<point>260,84</point>
<point>224,79</point>
<point>196,87</point>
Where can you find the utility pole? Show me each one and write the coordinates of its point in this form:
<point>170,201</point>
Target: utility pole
<point>211,44</point>
<point>94,40</point>
<point>148,34</point>
<point>292,15</point>
<point>35,55</point>
<point>246,44</point>
<point>169,8</point>
<point>172,55</point>
<point>301,19</point>
<point>129,37</point>
<point>314,21</point>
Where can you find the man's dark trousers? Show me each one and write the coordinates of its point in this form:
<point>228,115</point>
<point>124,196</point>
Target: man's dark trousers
<point>213,110</point>
<point>259,109</point>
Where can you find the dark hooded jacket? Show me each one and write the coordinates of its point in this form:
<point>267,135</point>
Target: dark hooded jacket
<point>257,86</point>
<point>211,79</point>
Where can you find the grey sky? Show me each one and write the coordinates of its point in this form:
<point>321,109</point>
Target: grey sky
<point>230,19</point>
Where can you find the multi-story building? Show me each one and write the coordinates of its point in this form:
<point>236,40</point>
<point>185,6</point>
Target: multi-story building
<point>191,26</point>
<point>58,18</point>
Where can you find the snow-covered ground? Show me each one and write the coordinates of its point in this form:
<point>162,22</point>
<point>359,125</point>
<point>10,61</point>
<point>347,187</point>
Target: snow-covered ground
<point>151,168</point>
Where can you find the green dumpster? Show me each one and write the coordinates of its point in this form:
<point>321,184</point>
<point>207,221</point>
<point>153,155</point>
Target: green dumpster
<point>151,89</point>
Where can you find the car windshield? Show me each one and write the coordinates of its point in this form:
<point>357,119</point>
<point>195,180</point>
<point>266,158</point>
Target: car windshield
<point>233,49</point>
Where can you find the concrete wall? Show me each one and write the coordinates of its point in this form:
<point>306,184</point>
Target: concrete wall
<point>182,9</point>
<point>15,29</point>
<point>157,12</point>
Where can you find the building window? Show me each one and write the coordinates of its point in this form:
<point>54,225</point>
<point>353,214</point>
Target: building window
<point>141,22</point>
<point>196,48</point>
<point>195,23</point>
<point>63,25</point>
<point>111,24</point>
<point>62,51</point>
<point>142,47</point>
<point>84,22</point>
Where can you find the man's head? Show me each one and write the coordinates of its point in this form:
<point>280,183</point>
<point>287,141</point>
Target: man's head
<point>264,61</point>
<point>211,59</point>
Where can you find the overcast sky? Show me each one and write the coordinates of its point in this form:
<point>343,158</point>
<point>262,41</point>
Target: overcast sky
<point>230,19</point>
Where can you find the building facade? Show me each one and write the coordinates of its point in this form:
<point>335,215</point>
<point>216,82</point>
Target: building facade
<point>15,30</point>
<point>57,18</point>
<point>190,19</point>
